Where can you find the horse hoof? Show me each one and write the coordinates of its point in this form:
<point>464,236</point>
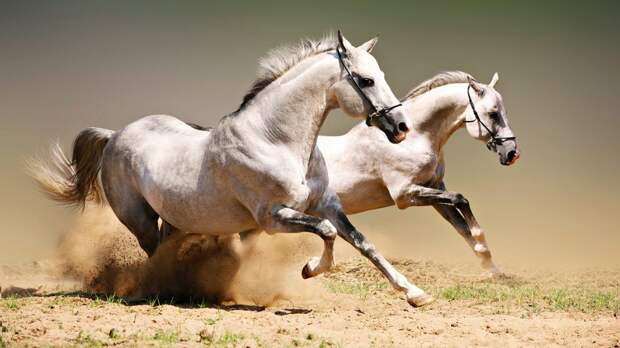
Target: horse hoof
<point>420,300</point>
<point>305,272</point>
<point>494,272</point>
<point>496,275</point>
<point>312,268</point>
<point>499,276</point>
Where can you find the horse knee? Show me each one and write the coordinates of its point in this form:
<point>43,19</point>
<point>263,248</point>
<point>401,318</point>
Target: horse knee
<point>459,200</point>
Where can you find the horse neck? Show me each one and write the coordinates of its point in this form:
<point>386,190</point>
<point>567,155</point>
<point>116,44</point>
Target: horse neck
<point>292,109</point>
<point>438,113</point>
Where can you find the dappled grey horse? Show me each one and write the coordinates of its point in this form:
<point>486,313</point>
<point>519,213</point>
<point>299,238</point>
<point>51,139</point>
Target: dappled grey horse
<point>258,169</point>
<point>411,173</point>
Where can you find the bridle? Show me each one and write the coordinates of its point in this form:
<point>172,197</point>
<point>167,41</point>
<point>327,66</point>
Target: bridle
<point>495,140</point>
<point>375,112</point>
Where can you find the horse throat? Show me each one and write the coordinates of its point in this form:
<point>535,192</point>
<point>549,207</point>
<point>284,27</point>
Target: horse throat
<point>439,113</point>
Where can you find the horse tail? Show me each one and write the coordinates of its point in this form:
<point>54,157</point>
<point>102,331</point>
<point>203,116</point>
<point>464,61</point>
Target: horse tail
<point>76,181</point>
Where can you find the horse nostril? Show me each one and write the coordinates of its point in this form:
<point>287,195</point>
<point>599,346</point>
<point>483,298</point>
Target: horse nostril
<point>403,127</point>
<point>511,155</point>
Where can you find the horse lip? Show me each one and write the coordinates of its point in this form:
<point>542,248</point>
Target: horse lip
<point>515,158</point>
<point>396,137</point>
<point>389,128</point>
<point>400,136</point>
<point>511,162</point>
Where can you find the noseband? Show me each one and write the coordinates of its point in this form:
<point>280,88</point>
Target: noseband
<point>495,140</point>
<point>375,112</point>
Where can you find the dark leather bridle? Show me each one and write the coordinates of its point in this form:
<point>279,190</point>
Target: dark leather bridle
<point>374,111</point>
<point>495,140</point>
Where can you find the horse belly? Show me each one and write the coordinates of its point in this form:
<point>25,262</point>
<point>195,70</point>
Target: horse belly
<point>218,217</point>
<point>363,196</point>
<point>194,203</point>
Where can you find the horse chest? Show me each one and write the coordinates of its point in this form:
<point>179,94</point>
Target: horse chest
<point>288,181</point>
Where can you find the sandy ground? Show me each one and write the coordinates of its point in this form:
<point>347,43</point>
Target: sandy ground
<point>196,291</point>
<point>350,307</point>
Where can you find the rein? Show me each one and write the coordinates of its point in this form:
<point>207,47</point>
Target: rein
<point>375,112</point>
<point>495,140</point>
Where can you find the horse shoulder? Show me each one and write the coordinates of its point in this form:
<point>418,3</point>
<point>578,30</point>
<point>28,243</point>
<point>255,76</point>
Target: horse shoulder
<point>413,158</point>
<point>352,160</point>
<point>412,163</point>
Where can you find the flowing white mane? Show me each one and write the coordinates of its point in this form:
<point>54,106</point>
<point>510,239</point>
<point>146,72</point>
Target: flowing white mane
<point>279,60</point>
<point>441,79</point>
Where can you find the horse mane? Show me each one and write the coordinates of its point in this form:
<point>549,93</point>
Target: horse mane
<point>198,127</point>
<point>441,79</point>
<point>279,60</point>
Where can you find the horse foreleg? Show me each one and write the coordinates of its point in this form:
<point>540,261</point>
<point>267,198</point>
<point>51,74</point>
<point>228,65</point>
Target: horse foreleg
<point>477,243</point>
<point>291,221</point>
<point>454,207</point>
<point>415,296</point>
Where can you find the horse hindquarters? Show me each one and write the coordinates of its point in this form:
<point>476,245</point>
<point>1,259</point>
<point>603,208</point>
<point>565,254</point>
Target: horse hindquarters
<point>128,204</point>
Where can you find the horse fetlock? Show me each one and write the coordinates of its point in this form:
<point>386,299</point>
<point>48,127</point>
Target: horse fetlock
<point>484,255</point>
<point>476,232</point>
<point>327,229</point>
<point>481,249</point>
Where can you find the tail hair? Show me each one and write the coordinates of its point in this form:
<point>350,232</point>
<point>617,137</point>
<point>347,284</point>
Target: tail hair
<point>73,182</point>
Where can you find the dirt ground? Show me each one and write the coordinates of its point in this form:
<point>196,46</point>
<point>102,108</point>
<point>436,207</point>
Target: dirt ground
<point>350,307</point>
<point>101,290</point>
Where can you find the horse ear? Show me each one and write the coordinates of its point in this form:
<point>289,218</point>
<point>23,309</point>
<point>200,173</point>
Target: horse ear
<point>370,44</point>
<point>494,80</point>
<point>343,44</point>
<point>475,86</point>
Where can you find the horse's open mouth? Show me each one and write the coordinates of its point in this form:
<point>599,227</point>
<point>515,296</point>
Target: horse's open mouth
<point>396,137</point>
<point>510,161</point>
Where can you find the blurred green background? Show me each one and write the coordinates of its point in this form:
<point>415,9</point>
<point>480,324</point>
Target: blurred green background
<point>67,65</point>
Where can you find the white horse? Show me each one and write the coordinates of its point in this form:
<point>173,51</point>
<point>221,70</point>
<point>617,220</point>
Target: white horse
<point>258,169</point>
<point>369,173</point>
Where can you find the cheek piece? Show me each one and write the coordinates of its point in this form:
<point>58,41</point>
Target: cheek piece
<point>495,140</point>
<point>374,111</point>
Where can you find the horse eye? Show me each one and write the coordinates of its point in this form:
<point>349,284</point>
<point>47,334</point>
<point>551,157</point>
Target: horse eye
<point>494,115</point>
<point>366,82</point>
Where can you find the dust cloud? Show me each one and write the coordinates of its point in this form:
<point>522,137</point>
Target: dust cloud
<point>98,254</point>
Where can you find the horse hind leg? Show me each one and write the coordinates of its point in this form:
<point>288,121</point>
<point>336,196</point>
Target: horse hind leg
<point>138,216</point>
<point>166,230</point>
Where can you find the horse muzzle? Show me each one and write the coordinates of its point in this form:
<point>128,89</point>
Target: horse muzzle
<point>394,126</point>
<point>511,157</point>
